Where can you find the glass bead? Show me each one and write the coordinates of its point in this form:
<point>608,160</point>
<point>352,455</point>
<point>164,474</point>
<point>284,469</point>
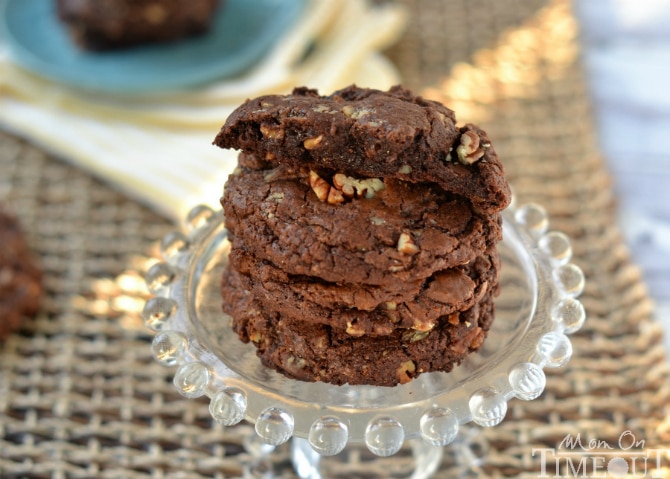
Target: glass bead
<point>439,426</point>
<point>228,406</point>
<point>275,426</point>
<point>159,277</point>
<point>555,348</point>
<point>384,436</point>
<point>157,313</point>
<point>570,279</point>
<point>488,407</point>
<point>191,379</point>
<point>167,347</point>
<point>570,313</point>
<point>533,217</point>
<point>556,246</point>
<point>328,435</point>
<point>173,246</point>
<point>527,381</point>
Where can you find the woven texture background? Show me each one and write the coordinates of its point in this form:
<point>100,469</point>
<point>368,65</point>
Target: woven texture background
<point>80,395</point>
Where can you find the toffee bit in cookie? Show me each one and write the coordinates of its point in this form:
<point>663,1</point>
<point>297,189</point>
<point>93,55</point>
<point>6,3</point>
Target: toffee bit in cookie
<point>311,143</point>
<point>348,110</point>
<point>272,132</point>
<point>423,325</point>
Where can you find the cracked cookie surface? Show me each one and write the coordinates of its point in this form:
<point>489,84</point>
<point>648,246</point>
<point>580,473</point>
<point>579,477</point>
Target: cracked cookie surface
<point>368,133</point>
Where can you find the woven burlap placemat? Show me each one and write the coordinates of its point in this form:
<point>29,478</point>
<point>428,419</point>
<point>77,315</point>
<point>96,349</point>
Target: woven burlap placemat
<point>80,395</point>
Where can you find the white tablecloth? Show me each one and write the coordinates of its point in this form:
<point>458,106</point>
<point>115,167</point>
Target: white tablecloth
<point>627,54</point>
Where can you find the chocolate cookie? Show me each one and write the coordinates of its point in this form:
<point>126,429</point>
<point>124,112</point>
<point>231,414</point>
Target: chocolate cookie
<point>113,24</point>
<point>316,352</point>
<point>367,310</point>
<point>365,133</point>
<point>401,233</point>
<point>20,277</point>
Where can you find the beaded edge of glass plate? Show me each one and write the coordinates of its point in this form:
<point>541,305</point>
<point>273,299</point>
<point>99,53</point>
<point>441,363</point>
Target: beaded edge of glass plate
<point>384,435</point>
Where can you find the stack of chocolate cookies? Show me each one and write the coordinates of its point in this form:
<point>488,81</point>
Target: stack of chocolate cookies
<point>364,227</point>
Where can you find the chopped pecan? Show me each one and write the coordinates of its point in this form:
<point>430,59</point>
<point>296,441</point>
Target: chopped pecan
<point>406,245</point>
<point>343,187</point>
<point>354,329</point>
<point>478,340</point>
<point>469,151</point>
<point>320,186</point>
<point>335,196</point>
<point>404,370</point>
<point>353,188</point>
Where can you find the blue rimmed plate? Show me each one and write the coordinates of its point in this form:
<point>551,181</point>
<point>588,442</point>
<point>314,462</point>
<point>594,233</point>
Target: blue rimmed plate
<point>241,33</point>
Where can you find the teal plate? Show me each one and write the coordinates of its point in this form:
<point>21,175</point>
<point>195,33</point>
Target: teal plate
<point>241,33</point>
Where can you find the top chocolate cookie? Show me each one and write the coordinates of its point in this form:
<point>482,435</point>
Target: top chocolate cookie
<point>368,133</point>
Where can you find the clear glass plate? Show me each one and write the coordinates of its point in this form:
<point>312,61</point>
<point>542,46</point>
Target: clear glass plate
<point>535,311</point>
